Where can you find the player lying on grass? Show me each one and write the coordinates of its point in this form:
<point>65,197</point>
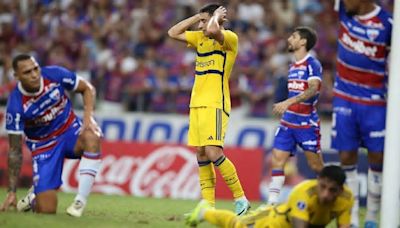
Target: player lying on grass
<point>39,108</point>
<point>312,203</point>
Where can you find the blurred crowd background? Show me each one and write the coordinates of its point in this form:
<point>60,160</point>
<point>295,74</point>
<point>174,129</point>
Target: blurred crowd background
<point>122,47</point>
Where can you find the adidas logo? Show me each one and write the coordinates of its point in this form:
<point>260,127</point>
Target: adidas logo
<point>210,138</point>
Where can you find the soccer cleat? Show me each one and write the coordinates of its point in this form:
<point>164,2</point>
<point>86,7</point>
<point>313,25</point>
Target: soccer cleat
<point>196,216</point>
<point>76,208</point>
<point>25,204</point>
<point>242,206</point>
<point>371,224</point>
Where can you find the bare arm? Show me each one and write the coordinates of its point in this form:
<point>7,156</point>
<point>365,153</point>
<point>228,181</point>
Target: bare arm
<point>14,161</point>
<point>14,167</point>
<point>177,31</point>
<point>298,223</point>
<point>281,107</point>
<point>89,98</point>
<point>213,27</point>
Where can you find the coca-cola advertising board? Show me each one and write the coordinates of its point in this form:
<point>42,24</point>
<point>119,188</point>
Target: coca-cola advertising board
<point>156,170</point>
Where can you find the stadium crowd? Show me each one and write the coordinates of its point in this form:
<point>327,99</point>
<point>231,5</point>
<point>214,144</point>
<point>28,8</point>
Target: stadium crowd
<point>121,46</point>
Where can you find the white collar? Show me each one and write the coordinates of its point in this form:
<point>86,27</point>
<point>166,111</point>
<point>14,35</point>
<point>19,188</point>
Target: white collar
<point>26,93</point>
<point>303,59</point>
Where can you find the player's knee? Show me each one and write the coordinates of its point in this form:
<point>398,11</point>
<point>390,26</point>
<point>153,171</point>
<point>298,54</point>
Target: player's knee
<point>316,166</point>
<point>90,137</point>
<point>348,158</point>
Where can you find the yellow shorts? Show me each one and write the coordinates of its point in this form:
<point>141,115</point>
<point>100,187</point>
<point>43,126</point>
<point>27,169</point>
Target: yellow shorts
<point>207,126</point>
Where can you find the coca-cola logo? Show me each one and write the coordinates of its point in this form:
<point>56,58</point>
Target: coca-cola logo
<point>167,171</point>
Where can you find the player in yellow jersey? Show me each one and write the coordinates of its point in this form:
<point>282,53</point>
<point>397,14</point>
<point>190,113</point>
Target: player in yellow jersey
<point>312,203</point>
<point>210,100</point>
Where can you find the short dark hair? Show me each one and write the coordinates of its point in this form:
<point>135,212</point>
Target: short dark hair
<point>210,8</point>
<point>334,173</point>
<point>20,57</point>
<point>309,34</point>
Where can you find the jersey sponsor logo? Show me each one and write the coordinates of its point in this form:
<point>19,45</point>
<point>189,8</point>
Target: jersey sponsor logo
<point>68,80</point>
<point>377,134</point>
<point>301,205</point>
<point>52,114</point>
<point>210,138</point>
<point>310,143</point>
<point>296,85</point>
<point>205,63</point>
<point>359,46</point>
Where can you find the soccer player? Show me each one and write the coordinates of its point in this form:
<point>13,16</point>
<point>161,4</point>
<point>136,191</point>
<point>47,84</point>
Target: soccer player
<point>210,100</point>
<point>312,203</point>
<point>299,124</point>
<point>39,108</point>
<point>359,105</point>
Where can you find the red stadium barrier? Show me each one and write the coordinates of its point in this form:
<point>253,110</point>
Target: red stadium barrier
<point>154,170</point>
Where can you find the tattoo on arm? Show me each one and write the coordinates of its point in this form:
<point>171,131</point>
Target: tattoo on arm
<point>310,92</point>
<point>14,161</point>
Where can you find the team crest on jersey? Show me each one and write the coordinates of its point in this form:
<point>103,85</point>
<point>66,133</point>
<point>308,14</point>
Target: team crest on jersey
<point>55,95</point>
<point>372,33</point>
<point>301,205</point>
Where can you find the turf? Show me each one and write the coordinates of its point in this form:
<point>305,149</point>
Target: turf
<point>110,211</point>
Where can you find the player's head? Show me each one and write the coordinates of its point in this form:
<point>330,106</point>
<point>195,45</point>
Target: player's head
<point>206,12</point>
<point>302,37</point>
<point>353,7</point>
<point>27,71</point>
<point>330,183</point>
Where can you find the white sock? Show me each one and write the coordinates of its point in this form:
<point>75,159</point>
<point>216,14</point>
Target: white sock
<point>88,168</point>
<point>374,195</point>
<point>354,185</point>
<point>277,181</point>
<point>241,198</point>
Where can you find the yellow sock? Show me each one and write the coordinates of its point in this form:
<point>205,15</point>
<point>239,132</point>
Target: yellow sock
<point>207,181</point>
<point>228,172</point>
<point>222,218</point>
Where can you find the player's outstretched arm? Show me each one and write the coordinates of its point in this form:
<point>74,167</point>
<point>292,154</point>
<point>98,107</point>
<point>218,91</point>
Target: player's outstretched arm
<point>89,98</point>
<point>214,25</point>
<point>14,167</point>
<point>281,107</point>
<point>177,31</point>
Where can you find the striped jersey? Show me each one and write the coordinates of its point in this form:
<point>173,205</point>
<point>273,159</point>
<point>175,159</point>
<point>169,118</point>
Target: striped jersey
<point>46,114</point>
<point>363,48</point>
<point>214,62</point>
<point>304,114</point>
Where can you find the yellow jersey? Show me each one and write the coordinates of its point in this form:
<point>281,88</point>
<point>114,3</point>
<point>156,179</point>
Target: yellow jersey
<point>303,204</point>
<point>214,62</point>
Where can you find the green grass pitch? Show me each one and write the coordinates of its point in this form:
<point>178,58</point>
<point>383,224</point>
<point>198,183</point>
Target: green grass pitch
<point>111,211</point>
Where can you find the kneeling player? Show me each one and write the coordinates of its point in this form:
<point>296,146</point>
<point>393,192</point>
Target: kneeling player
<point>312,203</point>
<point>39,108</point>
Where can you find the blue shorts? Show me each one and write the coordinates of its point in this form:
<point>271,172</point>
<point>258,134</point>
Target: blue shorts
<point>357,125</point>
<point>308,139</point>
<point>47,166</point>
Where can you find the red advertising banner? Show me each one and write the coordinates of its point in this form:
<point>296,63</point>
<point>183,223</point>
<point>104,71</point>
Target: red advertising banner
<point>156,170</point>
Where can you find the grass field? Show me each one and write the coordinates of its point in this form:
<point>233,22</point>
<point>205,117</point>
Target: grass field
<point>110,211</point>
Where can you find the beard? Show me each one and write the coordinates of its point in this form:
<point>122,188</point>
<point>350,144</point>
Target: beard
<point>290,48</point>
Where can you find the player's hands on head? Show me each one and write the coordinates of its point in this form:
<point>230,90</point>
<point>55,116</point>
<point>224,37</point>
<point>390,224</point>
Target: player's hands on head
<point>220,13</point>
<point>9,202</point>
